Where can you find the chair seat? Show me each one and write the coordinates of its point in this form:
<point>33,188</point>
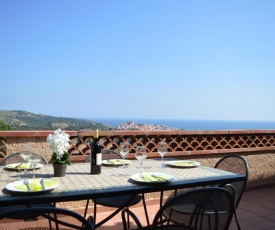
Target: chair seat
<point>118,201</point>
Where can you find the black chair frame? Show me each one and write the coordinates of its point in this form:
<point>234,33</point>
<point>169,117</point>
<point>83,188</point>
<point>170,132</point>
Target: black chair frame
<point>164,220</point>
<point>19,159</point>
<point>229,163</point>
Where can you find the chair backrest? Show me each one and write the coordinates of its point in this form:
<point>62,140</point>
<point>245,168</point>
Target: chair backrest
<point>236,164</point>
<point>204,208</point>
<point>43,218</point>
<point>106,154</point>
<point>16,158</point>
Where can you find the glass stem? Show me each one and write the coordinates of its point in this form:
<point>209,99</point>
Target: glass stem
<point>25,172</point>
<point>162,164</point>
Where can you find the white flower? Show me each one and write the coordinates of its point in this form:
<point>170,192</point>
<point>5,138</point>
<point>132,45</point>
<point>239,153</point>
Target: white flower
<point>59,142</point>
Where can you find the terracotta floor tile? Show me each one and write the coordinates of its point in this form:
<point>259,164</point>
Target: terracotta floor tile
<point>244,214</point>
<point>244,225</point>
<point>262,222</point>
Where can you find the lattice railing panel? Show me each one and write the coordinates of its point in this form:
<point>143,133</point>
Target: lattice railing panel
<point>3,147</point>
<point>181,143</point>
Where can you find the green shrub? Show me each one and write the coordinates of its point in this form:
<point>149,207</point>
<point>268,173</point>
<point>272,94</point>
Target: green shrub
<point>4,126</point>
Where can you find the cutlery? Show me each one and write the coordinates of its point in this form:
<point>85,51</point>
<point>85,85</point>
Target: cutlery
<point>110,161</point>
<point>158,177</point>
<point>42,184</point>
<point>26,182</point>
<point>144,177</point>
<point>17,166</point>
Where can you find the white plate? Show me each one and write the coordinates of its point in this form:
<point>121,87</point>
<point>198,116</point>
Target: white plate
<point>183,164</point>
<point>11,187</point>
<point>115,162</point>
<point>13,166</point>
<point>152,177</point>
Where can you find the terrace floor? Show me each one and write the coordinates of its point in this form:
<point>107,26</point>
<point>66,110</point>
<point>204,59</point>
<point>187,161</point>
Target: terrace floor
<point>256,212</point>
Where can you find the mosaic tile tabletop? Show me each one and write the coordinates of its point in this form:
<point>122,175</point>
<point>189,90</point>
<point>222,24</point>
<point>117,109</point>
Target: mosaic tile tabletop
<point>78,178</point>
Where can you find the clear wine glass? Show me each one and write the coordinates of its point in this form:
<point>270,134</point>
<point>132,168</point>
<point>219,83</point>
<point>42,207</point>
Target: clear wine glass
<point>162,150</point>
<point>34,160</point>
<point>141,155</point>
<point>25,152</point>
<point>124,150</point>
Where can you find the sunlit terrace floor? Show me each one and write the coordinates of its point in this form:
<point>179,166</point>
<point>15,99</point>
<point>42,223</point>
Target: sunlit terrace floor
<point>256,211</point>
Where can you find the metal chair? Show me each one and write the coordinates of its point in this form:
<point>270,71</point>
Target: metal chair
<point>117,201</point>
<point>16,158</point>
<point>44,218</point>
<point>236,164</point>
<point>205,208</point>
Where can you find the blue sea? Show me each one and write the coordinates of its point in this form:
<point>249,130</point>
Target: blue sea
<point>194,124</point>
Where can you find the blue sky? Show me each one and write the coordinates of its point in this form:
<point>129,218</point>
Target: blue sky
<point>165,59</point>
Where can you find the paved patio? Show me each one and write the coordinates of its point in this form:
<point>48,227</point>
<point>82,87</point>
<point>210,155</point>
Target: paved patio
<point>256,212</point>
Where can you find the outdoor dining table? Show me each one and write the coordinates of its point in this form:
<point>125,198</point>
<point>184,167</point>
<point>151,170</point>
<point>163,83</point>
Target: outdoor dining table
<point>79,184</point>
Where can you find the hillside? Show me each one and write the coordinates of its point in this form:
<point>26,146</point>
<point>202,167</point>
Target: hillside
<point>22,120</point>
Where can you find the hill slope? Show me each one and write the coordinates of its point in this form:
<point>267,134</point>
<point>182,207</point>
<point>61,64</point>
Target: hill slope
<point>22,120</point>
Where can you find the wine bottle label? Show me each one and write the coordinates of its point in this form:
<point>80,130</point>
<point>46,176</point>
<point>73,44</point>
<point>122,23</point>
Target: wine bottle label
<point>98,158</point>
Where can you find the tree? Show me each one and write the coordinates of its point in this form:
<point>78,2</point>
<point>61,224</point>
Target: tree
<point>4,126</point>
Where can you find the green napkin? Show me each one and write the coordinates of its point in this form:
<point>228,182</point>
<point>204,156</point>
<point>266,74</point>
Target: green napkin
<point>184,163</point>
<point>148,177</point>
<point>116,162</point>
<point>20,166</point>
<point>35,185</point>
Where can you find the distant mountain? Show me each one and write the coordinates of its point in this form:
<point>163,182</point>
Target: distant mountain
<point>22,120</point>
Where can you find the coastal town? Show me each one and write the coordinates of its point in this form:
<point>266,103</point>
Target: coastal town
<point>131,125</point>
